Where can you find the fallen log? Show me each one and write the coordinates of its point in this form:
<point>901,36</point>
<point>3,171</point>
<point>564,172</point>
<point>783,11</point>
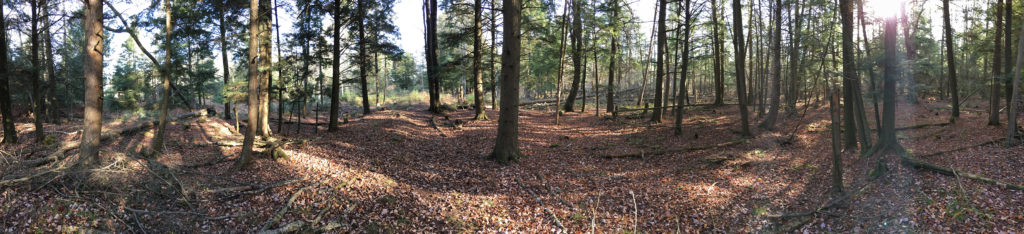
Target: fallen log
<point>642,153</point>
<point>68,146</point>
<point>912,161</point>
<point>965,147</point>
<point>290,228</point>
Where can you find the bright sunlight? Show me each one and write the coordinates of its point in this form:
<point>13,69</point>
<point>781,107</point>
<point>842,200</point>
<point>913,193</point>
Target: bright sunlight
<point>884,8</point>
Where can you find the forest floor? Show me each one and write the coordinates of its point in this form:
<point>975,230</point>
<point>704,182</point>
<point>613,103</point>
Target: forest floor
<point>392,171</point>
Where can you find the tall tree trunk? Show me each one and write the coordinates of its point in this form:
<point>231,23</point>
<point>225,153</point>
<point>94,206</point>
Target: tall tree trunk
<point>165,81</point>
<point>433,72</point>
<point>871,67</point>
<point>280,72</point>
<point>478,50</point>
<point>506,147</point>
<point>1011,138</point>
<point>360,22</point>
<point>793,92</point>
<point>266,76</point>
<point>773,92</point>
<point>741,92</point>
<point>851,82</point>
<point>950,60</point>
<point>659,75</point>
<point>335,69</point>
<point>10,133</point>
<point>611,60</point>
<point>254,86</point>
<point>37,92</point>
<point>1007,46</point>
<point>224,57</point>
<point>93,71</point>
<point>684,67</point>
<point>577,51</point>
<point>716,42</point>
<point>887,134</point>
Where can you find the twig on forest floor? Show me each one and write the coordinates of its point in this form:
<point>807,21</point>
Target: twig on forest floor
<point>635,210</point>
<point>284,209</point>
<point>551,191</point>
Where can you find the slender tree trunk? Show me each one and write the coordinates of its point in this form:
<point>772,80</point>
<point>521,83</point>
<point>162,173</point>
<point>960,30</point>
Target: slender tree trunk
<point>280,72</point>
<point>793,93</point>
<point>577,51</point>
<point>335,69</point>
<point>773,92</point>
<point>684,67</point>
<point>716,42</point>
<point>165,75</point>
<point>611,60</point>
<point>506,147</point>
<point>741,92</point>
<point>494,43</point>
<point>647,61</point>
<point>997,67</point>
<point>224,58</point>
<point>1008,46</point>
<point>950,60</point>
<point>37,92</point>
<point>837,157</point>
<point>10,133</point>
<point>360,22</point>
<point>51,79</point>
<point>871,68</point>
<point>93,71</point>
<point>561,59</point>
<point>851,83</point>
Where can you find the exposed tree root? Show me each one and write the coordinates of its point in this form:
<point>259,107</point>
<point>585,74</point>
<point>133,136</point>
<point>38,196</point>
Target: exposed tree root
<point>642,153</point>
<point>433,123</point>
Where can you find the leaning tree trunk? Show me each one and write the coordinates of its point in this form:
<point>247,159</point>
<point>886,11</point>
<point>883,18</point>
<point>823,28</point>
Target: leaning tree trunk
<point>93,71</point>
<point>741,92</point>
<point>577,51</point>
<point>254,86</point>
<point>506,147</point>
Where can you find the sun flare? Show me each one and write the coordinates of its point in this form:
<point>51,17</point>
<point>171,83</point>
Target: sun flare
<point>884,8</point>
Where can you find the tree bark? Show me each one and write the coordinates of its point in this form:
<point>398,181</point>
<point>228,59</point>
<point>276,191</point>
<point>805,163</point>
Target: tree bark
<point>265,68</point>
<point>506,147</point>
<point>1011,138</point>
<point>360,21</point>
<point>774,91</point>
<point>660,69</point>
<point>793,93</point>
<point>478,50</point>
<point>93,71</point>
<point>684,67</point>
<point>741,92</point>
<point>887,134</point>
<point>224,57</point>
<point>433,72</point>
<point>997,68</point>
<point>37,92</point>
<point>578,66</point>
<point>335,69</point>
<point>10,133</point>
<point>950,61</point>
<point>254,86</point>
<point>165,81</point>
<point>610,105</point>
<point>561,60</point>
<point>716,41</point>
